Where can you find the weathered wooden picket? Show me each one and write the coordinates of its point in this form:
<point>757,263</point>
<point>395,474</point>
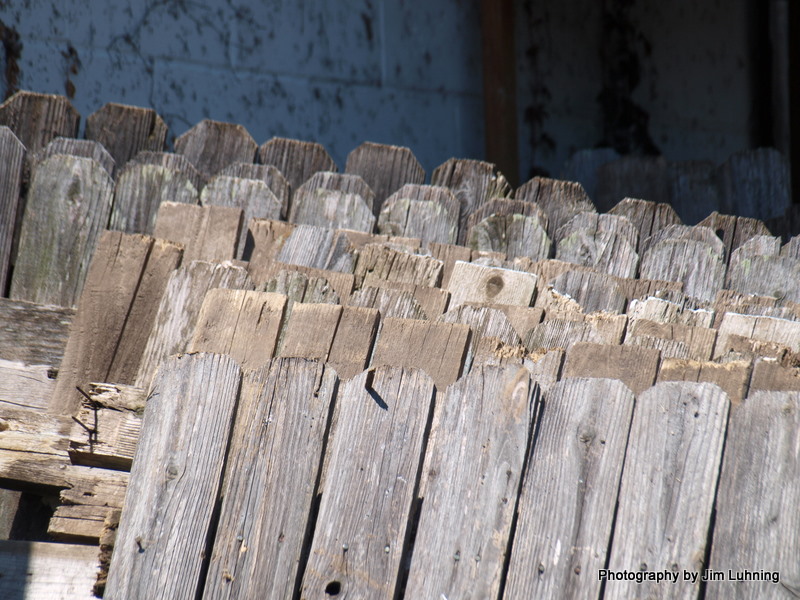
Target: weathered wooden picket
<point>237,373</point>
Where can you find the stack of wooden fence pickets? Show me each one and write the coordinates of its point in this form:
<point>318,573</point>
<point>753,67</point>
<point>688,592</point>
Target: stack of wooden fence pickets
<point>318,384</point>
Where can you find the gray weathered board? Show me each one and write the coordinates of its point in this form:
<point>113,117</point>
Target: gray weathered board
<point>733,376</point>
<point>274,461</point>
<point>648,217</point>
<point>485,322</point>
<point>593,292</point>
<point>427,212</point>
<point>560,200</point>
<point>384,262</point>
<point>757,520</point>
<point>163,537</point>
<point>486,285</point>
<point>472,181</point>
<point>270,175</point>
<point>333,209</point>
<point>33,334</point>
<point>126,130</point>
<point>694,263</point>
<point>473,467</point>
<point>369,486</point>
<point>213,145</point>
<point>73,147</point>
<point>566,508</point>
<point>12,155</point>
<point>667,491</point>
<point>514,235</point>
<point>297,160</point>
<point>175,162</point>
<point>38,118</point>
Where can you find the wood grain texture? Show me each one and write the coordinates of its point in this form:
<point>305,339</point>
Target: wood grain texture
<point>25,386</point>
<point>514,235</point>
<point>265,238</point>
<point>318,247</point>
<point>352,344</point>
<point>270,175</point>
<point>33,334</point>
<point>772,376</point>
<point>404,214</point>
<point>175,479</point>
<point>38,118</point>
<point>240,323</point>
<point>473,467</point>
<point>506,206</point>
<point>295,159</point>
<point>668,485</point>
<point>694,343</point>
<point>333,209</point>
<point>635,367</point>
<point>126,130</point>
<point>591,291</point>
<point>664,311</point>
<point>376,445</point>
<point>175,162</point>
<point>744,332</point>
<point>389,302</point>
<point>12,157</point>
<point>213,145</point>
<point>252,196</point>
<point>646,216</point>
<point>385,168</point>
<point>561,200</point>
<point>141,189</point>
<point>733,377</point>
<point>694,263</point>
<point>205,232</point>
<point>179,309</point>
<point>437,348</point>
<point>68,205</point>
<point>432,300</point>
<point>274,461</point>
<point>594,223</point>
<point>347,183</point>
<point>383,262</point>
<point>756,524</point>
<point>598,328</point>
<point>299,286</point>
<point>485,322</point>
<point>448,254</point>
<point>485,285</point>
<point>572,478</point>
<point>73,147</point>
<point>603,251</point>
<point>310,331</point>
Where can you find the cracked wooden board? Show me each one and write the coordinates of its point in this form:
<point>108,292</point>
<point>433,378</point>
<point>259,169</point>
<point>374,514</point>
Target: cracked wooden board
<point>268,174</point>
<point>73,147</point>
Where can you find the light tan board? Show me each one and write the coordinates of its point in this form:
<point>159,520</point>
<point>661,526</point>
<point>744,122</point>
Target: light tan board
<point>126,281</point>
<point>449,254</point>
<point>385,168</point>
<point>485,322</point>
<point>240,323</point>
<point>297,160</point>
<point>764,336</point>
<point>206,232</point>
<point>126,130</point>
<point>563,333</point>
<point>473,467</point>
<point>253,196</point>
<point>770,375</point>
<point>333,209</point>
<point>352,344</point>
<point>88,505</point>
<point>12,156</point>
<point>274,461</point>
<point>68,205</point>
<point>265,238</point>
<point>438,348</point>
<point>376,446</point>
<point>566,508</point>
<point>523,318</point>
<point>38,118</point>
<point>472,181</point>
<point>390,302</point>
<point>174,162</point>
<point>694,263</point>
<point>383,262</point>
<point>175,480</point>
<point>668,486</point>
<point>513,235</point>
<point>79,148</point>
<point>635,367</point>
<point>213,145</point>
<point>756,523</point>
<point>179,309</point>
<point>673,340</point>
<point>561,200</point>
<point>310,331</point>
<point>141,189</point>
<point>486,285</point>
<point>733,377</point>
<point>638,289</point>
<point>648,217</point>
<point>47,571</point>
<point>33,334</point>
<point>270,175</point>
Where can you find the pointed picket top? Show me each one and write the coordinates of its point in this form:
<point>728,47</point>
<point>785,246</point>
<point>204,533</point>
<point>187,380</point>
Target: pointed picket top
<point>340,182</point>
<point>73,147</point>
<point>514,235</point>
<point>266,173</point>
<point>648,217</point>
<point>126,130</point>
<point>213,145</point>
<point>296,159</point>
<point>506,206</point>
<point>36,119</point>
<point>561,200</point>
<point>427,212</point>
<point>176,162</point>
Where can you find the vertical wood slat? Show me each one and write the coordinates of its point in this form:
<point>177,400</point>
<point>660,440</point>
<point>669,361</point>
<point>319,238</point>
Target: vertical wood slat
<point>213,145</point>
<point>369,485</point>
<point>80,148</point>
<point>206,232</point>
<point>566,508</point>
<point>162,539</point>
<point>474,460</point>
<point>275,457</point>
<point>126,130</point>
<point>36,119</point>
<point>68,205</point>
<point>668,486</point>
<point>12,157</point>
<point>297,160</point>
<point>759,492</point>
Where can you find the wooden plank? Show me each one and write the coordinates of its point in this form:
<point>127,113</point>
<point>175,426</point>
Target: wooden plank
<point>333,209</point>
<point>408,213</point>
<point>206,232</point>
<point>598,328</point>
<point>86,509</point>
<point>175,162</point>
<point>573,478</point>
<point>352,343</point>
<point>385,168</point>
<point>635,367</point>
<point>664,512</point>
<point>25,386</point>
<point>252,196</point>
<point>522,318</point>
<point>694,263</point>
<point>664,311</point>
<point>38,118</point>
<point>561,200</point>
<point>369,487</point>
<point>486,285</point>
<point>591,291</point>
<point>506,206</point>
<point>595,223</point>
<point>213,145</point>
<point>12,157</point>
<point>275,459</point>
<point>297,286</point>
<point>141,189</point>
<point>107,426</point>
<point>265,238</point>
<point>433,301</point>
<point>513,235</point>
<point>33,334</point>
<point>274,179</point>
<point>168,514</point>
<point>340,182</point>
<point>772,376</point>
<point>73,147</point>
<point>473,182</point>
<point>733,230</point>
<point>776,276</point>
<point>437,348</point>
<point>383,262</point>
<point>240,323</point>
<point>67,207</point>
<point>47,571</point>
<point>760,479</point>
<point>603,251</point>
<point>126,130</point>
<point>754,334</point>
<point>179,309</point>
<point>733,377</point>
<point>697,233</point>
<point>485,322</point>
<point>318,247</point>
<point>648,217</point>
<point>389,302</point>
<point>310,331</point>
<point>694,343</point>
<point>320,285</point>
<point>473,467</point>
<point>448,254</point>
<point>297,160</point>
